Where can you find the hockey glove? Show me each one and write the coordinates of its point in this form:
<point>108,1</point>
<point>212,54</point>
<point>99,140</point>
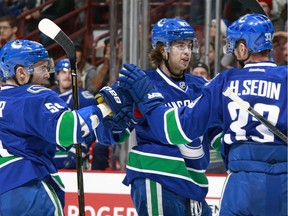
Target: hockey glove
<point>124,119</point>
<point>89,118</point>
<point>122,124</point>
<point>141,89</point>
<point>115,96</point>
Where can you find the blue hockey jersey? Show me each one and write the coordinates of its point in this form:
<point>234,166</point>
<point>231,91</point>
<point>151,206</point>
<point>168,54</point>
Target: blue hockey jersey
<point>38,121</point>
<point>85,98</point>
<point>248,144</point>
<point>179,168</point>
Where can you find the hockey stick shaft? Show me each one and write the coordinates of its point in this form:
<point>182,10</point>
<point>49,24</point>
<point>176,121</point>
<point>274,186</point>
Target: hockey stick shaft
<point>50,29</point>
<point>245,105</point>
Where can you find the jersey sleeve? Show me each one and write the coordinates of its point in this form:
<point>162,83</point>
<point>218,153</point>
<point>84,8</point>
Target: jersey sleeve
<point>53,121</point>
<point>184,124</point>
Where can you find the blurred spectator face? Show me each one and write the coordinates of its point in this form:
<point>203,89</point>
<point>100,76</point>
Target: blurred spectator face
<point>78,56</point>
<point>213,29</point>
<point>7,33</point>
<point>266,5</point>
<point>199,71</point>
<point>211,53</point>
<point>64,79</point>
<point>285,51</point>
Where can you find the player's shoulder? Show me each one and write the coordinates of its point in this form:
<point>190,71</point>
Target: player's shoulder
<point>192,79</point>
<point>151,73</point>
<point>38,92</point>
<point>38,89</point>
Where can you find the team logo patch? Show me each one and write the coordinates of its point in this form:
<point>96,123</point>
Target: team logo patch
<point>182,85</point>
<point>37,89</point>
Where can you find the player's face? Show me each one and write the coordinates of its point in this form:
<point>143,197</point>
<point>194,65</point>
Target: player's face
<point>64,79</point>
<point>41,73</point>
<point>180,55</point>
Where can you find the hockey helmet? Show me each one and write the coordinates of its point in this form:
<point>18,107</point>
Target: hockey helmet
<point>167,30</point>
<point>256,29</point>
<point>24,53</point>
<point>63,64</point>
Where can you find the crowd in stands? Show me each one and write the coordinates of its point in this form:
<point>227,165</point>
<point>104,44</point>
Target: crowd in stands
<point>93,77</point>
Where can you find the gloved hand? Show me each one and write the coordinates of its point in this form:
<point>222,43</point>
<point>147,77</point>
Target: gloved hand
<point>115,96</point>
<point>121,124</point>
<point>124,119</point>
<point>141,89</point>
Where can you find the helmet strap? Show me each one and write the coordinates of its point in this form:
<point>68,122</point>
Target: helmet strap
<point>242,62</point>
<point>17,82</point>
<point>168,67</point>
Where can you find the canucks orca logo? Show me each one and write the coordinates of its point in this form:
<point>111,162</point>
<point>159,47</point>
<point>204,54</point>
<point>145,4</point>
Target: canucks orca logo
<point>37,89</point>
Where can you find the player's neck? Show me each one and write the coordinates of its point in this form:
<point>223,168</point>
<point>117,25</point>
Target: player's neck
<point>257,59</point>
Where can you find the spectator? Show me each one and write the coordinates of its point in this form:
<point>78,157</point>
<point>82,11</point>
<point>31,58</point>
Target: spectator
<point>279,45</point>
<point>8,29</point>
<point>226,59</point>
<point>285,54</point>
<point>211,57</point>
<point>17,7</point>
<point>273,9</point>
<point>103,69</point>
<point>200,69</point>
<point>51,11</point>
<point>4,10</point>
<point>86,71</point>
<point>63,159</point>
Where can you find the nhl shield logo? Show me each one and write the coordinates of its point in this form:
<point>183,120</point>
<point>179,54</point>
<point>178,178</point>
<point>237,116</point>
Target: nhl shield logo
<point>182,85</point>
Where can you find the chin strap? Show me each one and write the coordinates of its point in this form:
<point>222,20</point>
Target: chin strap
<point>242,62</point>
<point>29,81</point>
<point>167,66</point>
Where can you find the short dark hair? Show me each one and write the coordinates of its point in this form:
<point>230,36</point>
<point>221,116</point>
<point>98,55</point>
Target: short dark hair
<point>200,64</point>
<point>12,20</point>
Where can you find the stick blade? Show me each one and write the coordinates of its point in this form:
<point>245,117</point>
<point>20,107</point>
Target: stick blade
<point>53,31</point>
<point>49,28</point>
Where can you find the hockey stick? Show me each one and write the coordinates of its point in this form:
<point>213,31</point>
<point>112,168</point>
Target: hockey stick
<point>253,6</point>
<point>50,29</point>
<point>245,105</point>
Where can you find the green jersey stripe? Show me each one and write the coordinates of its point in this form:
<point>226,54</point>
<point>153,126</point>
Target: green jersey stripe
<point>7,160</point>
<point>67,129</point>
<point>173,130</point>
<point>169,166</point>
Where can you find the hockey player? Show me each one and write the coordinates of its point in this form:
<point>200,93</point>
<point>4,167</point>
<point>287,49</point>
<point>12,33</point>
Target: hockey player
<point>64,159</point>
<point>34,121</point>
<point>256,157</point>
<point>168,179</point>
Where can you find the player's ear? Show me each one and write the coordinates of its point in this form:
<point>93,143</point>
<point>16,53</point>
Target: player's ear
<point>164,54</point>
<point>21,75</point>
